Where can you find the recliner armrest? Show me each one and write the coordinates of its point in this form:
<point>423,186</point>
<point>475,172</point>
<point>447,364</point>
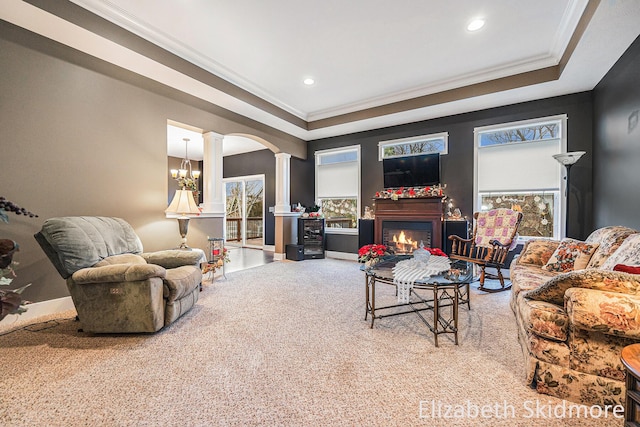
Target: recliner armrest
<point>118,273</point>
<point>172,258</point>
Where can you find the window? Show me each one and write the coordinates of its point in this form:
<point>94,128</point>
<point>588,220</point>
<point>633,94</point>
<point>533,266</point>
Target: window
<point>434,143</point>
<point>338,187</point>
<point>515,169</point>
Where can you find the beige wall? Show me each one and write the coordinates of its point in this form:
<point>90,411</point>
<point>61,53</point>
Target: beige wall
<point>78,142</point>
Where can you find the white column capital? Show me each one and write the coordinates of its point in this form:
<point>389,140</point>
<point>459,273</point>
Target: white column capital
<point>282,155</point>
<point>212,135</point>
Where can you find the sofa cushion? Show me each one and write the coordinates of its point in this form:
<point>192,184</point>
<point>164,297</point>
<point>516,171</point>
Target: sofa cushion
<point>613,281</point>
<point>525,277</point>
<point>570,255</point>
<point>606,312</point>
<point>538,251</point>
<point>628,253</point>
<point>545,319</point>
<point>121,259</point>
<point>118,273</point>
<point>608,239</point>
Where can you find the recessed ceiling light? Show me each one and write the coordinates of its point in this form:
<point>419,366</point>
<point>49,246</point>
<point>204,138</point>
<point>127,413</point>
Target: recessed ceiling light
<point>475,25</point>
<point>309,81</point>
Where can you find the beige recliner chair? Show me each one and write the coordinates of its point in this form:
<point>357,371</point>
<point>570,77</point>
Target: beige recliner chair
<point>115,287</point>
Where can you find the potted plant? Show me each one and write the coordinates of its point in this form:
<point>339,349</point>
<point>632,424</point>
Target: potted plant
<point>11,300</point>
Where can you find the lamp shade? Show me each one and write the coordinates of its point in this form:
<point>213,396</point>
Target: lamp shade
<point>183,203</point>
<point>569,158</point>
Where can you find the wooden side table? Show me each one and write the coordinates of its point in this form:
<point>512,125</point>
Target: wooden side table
<point>631,360</point>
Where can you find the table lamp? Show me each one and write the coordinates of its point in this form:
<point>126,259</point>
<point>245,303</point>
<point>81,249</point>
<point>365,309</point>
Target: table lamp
<point>183,204</point>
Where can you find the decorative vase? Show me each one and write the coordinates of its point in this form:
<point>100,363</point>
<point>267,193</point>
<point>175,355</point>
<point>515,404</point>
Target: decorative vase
<point>421,254</point>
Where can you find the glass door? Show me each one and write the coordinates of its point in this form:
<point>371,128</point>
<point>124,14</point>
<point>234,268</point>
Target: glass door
<point>244,221</point>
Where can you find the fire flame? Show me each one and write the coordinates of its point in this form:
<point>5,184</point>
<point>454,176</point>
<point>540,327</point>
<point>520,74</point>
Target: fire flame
<point>404,243</point>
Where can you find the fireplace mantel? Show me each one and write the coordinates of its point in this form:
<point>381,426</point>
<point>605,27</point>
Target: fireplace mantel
<point>411,209</point>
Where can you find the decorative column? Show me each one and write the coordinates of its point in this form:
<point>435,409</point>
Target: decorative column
<point>283,183</point>
<point>213,187</point>
<point>286,222</point>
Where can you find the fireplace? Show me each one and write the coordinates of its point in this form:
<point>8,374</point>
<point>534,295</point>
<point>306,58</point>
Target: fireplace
<point>421,217</point>
<point>403,237</point>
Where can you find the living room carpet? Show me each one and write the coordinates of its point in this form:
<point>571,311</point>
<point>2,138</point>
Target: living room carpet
<point>283,344</point>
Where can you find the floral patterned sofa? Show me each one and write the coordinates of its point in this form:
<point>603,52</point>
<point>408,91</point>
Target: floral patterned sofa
<point>577,305</point>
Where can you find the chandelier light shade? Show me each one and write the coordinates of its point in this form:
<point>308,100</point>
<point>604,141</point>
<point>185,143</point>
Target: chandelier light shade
<point>186,172</point>
<point>183,204</point>
<point>568,160</point>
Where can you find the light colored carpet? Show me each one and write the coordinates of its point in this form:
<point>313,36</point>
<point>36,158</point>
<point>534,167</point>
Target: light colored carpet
<point>284,344</point>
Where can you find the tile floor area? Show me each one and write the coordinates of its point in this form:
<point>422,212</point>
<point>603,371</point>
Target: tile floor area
<point>243,258</point>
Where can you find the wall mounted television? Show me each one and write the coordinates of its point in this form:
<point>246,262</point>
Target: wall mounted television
<point>412,171</point>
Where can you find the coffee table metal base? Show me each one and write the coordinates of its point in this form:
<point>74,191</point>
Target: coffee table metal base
<point>441,296</point>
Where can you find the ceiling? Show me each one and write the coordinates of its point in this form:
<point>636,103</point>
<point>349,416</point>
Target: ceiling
<point>375,63</point>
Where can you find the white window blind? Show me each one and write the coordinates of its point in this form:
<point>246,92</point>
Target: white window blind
<point>337,180</point>
<point>522,166</point>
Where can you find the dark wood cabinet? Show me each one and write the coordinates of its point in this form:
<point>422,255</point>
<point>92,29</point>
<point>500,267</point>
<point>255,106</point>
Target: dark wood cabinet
<point>311,237</point>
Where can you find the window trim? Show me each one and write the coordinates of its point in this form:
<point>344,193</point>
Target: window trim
<point>319,153</point>
<point>411,139</point>
<point>562,118</point>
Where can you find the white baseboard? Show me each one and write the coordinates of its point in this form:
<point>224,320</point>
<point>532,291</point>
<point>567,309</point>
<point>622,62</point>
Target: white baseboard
<point>341,255</point>
<point>38,309</point>
<point>269,248</point>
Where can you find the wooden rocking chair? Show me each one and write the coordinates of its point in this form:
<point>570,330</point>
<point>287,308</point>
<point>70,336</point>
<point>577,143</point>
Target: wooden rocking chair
<point>494,235</point>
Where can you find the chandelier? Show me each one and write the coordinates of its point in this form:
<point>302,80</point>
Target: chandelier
<point>187,177</point>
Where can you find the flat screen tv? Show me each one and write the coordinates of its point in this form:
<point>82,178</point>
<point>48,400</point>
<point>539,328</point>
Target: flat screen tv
<point>412,171</point>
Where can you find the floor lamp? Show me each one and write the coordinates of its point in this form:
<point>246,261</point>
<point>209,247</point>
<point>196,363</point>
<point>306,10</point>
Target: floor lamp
<point>568,160</point>
<point>183,204</point>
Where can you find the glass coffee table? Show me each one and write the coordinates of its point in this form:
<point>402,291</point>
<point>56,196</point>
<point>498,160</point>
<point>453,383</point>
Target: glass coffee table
<point>441,294</point>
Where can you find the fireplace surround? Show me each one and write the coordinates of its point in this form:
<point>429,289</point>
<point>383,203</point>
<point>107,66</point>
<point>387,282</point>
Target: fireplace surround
<point>422,215</point>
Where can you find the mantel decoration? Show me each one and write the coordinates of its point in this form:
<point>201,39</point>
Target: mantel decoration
<point>411,192</point>
<point>11,300</point>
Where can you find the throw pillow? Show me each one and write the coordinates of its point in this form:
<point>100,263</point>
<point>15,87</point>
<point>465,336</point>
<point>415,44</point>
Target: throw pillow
<point>538,252</point>
<point>631,269</point>
<point>628,253</point>
<point>570,255</point>
<point>609,238</point>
